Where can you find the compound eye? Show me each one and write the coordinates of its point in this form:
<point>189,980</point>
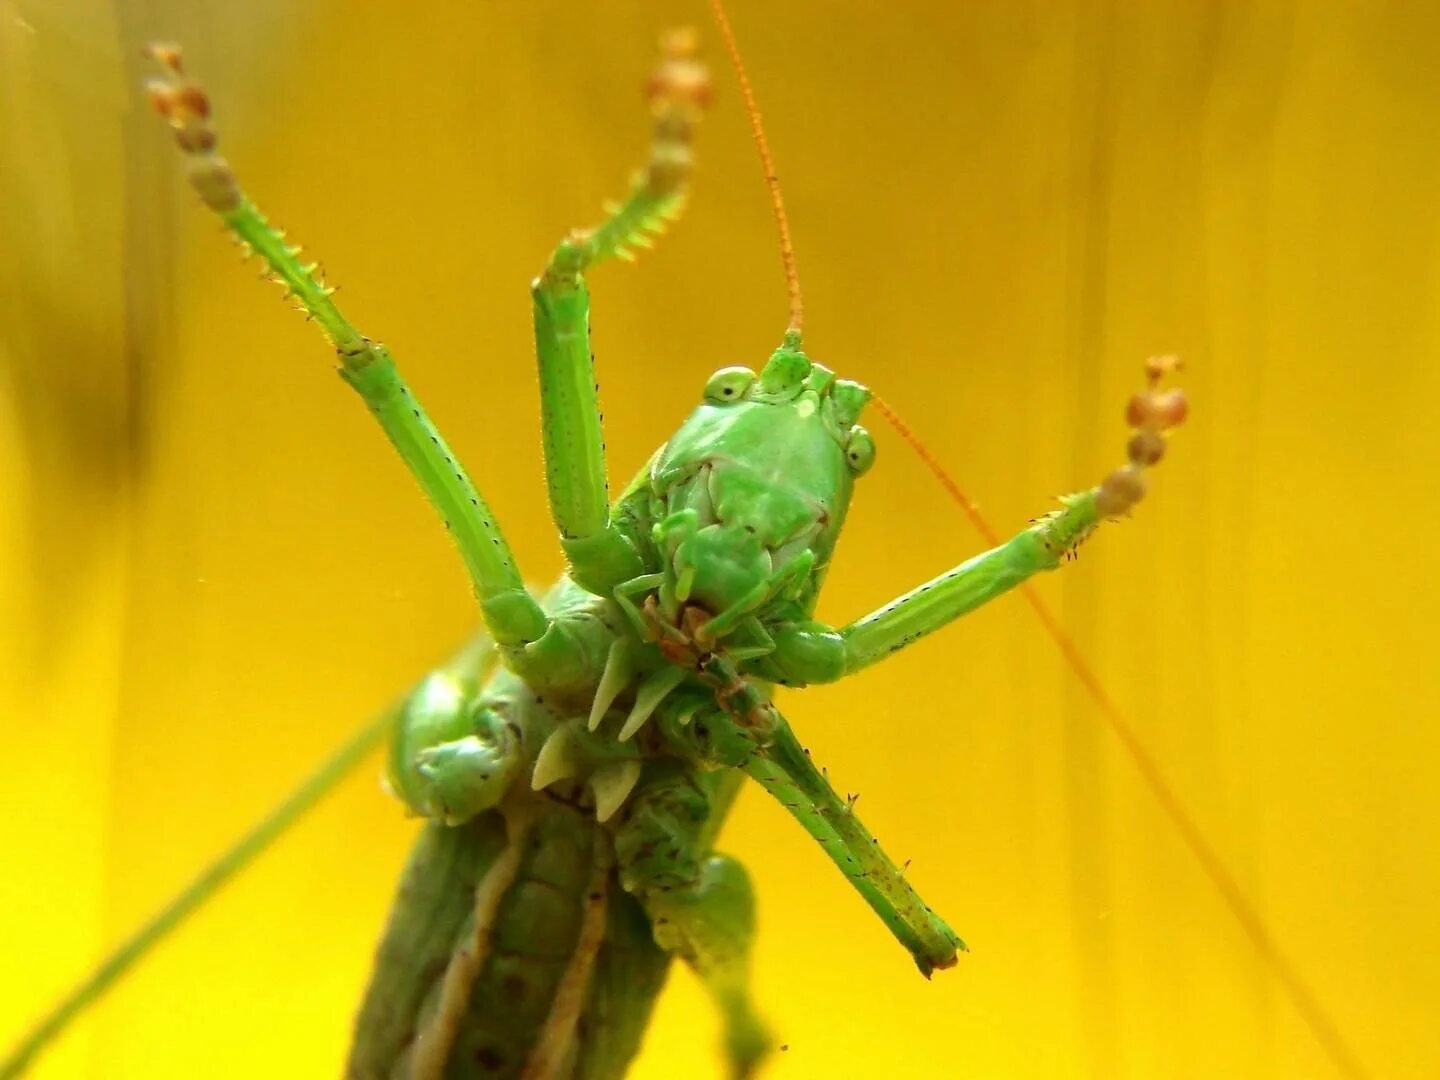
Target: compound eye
<point>859,451</point>
<point>728,384</point>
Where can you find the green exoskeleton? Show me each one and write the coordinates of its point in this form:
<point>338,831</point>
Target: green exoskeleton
<point>575,761</point>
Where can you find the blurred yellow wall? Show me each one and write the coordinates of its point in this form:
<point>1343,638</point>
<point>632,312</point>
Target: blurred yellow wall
<point>211,567</point>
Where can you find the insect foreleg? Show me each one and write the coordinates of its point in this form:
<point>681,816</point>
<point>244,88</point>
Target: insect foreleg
<point>812,652</point>
<point>511,613</point>
<point>600,553</point>
<point>974,582</point>
<point>700,904</point>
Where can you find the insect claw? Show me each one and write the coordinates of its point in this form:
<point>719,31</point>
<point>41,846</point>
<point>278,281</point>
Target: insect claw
<point>612,786</point>
<point>619,668</point>
<point>650,694</point>
<point>557,760</point>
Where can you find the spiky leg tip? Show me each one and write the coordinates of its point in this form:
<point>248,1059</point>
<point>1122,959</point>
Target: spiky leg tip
<point>1151,413</point>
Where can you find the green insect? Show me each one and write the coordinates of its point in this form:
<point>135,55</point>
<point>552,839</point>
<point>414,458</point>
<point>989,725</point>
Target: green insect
<point>578,757</point>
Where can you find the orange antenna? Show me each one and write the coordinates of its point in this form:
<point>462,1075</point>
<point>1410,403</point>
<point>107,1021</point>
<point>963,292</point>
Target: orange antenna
<point>772,181</point>
<point>1262,938</point>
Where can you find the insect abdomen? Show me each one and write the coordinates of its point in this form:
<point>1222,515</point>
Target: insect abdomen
<point>432,906</point>
<point>537,925</point>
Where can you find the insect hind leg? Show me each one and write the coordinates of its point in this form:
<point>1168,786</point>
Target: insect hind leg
<point>701,904</point>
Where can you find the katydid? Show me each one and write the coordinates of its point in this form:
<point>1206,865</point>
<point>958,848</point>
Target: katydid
<point>576,759</point>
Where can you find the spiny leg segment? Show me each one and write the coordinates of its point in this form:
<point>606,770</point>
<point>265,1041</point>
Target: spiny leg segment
<point>512,615</point>
<point>600,553</point>
<point>739,728</point>
<point>1043,546</point>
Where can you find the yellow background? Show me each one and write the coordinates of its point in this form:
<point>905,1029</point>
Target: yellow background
<point>211,567</point>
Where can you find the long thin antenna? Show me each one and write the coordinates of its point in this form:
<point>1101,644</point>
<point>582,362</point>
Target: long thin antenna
<point>772,180</point>
<point>1301,996</point>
